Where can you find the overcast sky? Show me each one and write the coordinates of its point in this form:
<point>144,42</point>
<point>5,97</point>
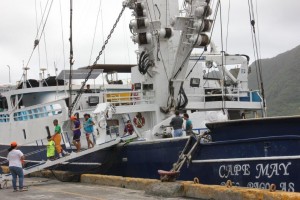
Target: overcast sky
<point>279,28</point>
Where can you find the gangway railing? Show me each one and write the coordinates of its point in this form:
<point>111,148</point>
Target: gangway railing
<point>46,164</point>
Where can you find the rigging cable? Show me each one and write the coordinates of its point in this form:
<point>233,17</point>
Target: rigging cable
<point>63,44</point>
<point>42,19</point>
<point>258,35</point>
<point>152,8</point>
<point>102,33</point>
<point>222,63</point>
<point>255,57</point>
<point>95,30</point>
<point>126,40</point>
<point>256,53</point>
<point>46,54</point>
<point>228,18</point>
<point>71,107</point>
<point>37,31</point>
<point>167,9</point>
<point>37,39</point>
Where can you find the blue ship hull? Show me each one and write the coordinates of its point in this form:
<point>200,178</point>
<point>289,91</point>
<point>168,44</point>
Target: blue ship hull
<point>248,159</point>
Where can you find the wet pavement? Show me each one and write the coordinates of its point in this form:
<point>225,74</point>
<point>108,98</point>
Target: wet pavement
<point>42,188</point>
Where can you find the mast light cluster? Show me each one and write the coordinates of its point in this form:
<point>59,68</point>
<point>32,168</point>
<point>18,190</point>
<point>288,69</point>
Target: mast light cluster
<point>197,13</point>
<point>143,28</point>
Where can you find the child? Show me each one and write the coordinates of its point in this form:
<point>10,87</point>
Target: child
<point>50,148</point>
<point>128,128</point>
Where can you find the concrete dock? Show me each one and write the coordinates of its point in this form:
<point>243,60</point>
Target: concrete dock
<point>94,186</point>
<point>43,188</point>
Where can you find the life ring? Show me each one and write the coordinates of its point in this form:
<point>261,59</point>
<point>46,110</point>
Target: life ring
<point>139,121</point>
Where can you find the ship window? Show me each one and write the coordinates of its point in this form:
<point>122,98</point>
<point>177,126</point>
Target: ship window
<point>148,86</point>
<point>93,100</point>
<point>3,104</point>
<point>137,86</point>
<point>195,82</point>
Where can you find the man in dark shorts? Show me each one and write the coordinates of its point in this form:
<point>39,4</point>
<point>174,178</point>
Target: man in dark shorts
<point>76,133</point>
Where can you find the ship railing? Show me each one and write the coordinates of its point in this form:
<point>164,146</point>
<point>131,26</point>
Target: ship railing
<point>129,97</point>
<point>239,96</point>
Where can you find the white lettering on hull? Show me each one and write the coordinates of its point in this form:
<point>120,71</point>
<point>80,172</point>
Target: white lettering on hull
<point>261,171</point>
<point>274,169</point>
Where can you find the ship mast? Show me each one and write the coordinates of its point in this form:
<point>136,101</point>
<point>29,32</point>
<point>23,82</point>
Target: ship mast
<point>71,57</point>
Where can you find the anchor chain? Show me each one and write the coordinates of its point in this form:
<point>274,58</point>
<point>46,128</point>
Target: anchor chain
<point>71,108</point>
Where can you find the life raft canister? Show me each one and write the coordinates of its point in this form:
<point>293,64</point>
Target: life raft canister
<point>139,121</point>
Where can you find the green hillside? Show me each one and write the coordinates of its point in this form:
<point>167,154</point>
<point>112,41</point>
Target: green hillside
<point>281,78</point>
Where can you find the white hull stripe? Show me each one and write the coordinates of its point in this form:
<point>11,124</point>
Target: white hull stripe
<point>248,159</point>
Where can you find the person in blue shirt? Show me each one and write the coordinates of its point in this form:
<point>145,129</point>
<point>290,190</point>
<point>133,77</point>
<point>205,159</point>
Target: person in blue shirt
<point>188,124</point>
<point>89,129</point>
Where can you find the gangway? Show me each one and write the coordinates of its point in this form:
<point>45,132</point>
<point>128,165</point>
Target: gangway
<point>64,160</point>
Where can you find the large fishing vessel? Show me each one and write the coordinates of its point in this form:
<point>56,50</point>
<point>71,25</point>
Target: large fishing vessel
<point>229,142</point>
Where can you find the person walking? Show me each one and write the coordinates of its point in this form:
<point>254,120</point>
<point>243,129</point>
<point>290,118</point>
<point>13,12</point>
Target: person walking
<point>89,129</point>
<point>16,158</point>
<point>57,139</point>
<point>176,123</point>
<point>76,133</point>
<point>188,124</point>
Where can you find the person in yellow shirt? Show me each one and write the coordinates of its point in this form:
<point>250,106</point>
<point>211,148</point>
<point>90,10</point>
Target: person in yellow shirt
<point>50,148</point>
